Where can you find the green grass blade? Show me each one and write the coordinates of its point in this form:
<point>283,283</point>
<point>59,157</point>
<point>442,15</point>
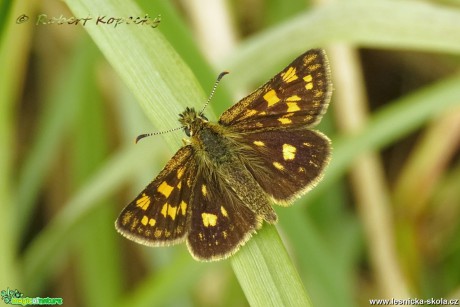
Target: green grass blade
<point>59,112</point>
<point>391,123</point>
<point>390,24</point>
<point>266,273</point>
<point>53,241</point>
<point>14,48</point>
<point>96,239</point>
<point>166,285</point>
<point>152,70</point>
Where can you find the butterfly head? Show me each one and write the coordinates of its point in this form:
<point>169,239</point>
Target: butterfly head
<point>191,121</point>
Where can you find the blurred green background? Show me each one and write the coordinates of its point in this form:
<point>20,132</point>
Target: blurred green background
<point>383,223</point>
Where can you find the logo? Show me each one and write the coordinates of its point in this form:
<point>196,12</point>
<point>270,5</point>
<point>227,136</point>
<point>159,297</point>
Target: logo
<point>14,297</point>
<point>218,189</point>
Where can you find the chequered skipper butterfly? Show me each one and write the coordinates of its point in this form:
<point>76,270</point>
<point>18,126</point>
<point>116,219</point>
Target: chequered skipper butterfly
<point>218,189</point>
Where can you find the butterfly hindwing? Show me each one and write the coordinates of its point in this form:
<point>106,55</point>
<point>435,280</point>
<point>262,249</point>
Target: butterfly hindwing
<point>220,221</point>
<point>286,163</point>
<point>160,214</point>
<point>296,97</point>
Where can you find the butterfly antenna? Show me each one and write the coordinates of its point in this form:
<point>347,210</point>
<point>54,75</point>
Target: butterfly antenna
<point>141,136</point>
<point>221,75</point>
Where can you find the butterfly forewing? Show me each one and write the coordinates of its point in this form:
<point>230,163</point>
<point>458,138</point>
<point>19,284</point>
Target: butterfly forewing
<point>296,97</point>
<point>160,214</point>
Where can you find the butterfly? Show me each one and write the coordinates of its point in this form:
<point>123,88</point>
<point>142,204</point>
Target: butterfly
<point>217,190</point>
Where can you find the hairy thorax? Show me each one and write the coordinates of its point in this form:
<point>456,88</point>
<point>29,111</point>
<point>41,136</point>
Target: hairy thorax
<point>216,148</point>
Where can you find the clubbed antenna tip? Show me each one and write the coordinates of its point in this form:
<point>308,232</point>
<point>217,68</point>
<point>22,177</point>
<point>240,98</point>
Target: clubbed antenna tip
<point>221,75</point>
<point>141,136</point>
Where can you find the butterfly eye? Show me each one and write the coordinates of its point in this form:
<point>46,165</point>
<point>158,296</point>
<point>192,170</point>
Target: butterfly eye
<point>187,131</point>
